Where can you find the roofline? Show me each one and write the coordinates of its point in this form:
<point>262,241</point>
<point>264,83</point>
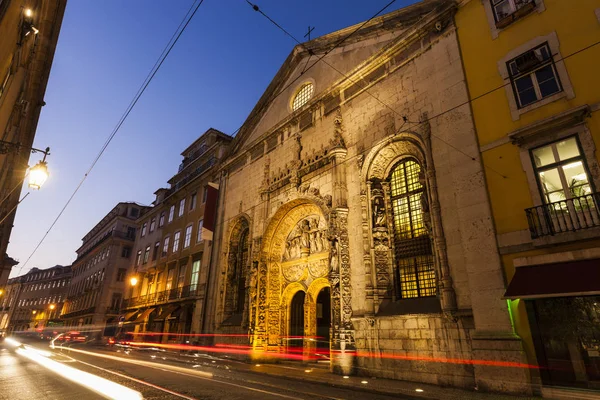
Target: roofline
<point>201,138</point>
<point>322,43</point>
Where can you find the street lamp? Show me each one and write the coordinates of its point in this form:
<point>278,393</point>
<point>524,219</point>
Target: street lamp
<point>38,174</point>
<point>133,281</point>
<point>52,306</point>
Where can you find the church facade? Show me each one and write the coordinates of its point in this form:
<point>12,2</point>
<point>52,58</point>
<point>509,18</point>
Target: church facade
<point>354,223</point>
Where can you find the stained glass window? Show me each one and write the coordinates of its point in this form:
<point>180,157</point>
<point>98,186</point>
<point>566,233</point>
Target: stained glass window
<point>415,269</point>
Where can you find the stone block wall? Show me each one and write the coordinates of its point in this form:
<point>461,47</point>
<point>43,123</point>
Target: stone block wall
<point>419,347</point>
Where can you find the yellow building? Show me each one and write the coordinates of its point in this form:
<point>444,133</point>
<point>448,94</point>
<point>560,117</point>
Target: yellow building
<point>531,69</point>
<point>28,35</point>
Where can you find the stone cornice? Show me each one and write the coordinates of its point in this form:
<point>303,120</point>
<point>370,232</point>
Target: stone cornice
<point>556,122</point>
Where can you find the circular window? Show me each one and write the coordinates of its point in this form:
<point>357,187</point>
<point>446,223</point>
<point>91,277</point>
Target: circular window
<point>303,95</point>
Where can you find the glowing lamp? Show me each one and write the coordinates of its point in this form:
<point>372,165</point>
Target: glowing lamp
<point>34,312</point>
<point>28,12</point>
<point>133,281</point>
<point>1,292</point>
<point>38,175</point>
<point>52,306</point>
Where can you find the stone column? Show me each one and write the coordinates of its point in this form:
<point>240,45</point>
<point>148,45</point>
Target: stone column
<point>342,338</point>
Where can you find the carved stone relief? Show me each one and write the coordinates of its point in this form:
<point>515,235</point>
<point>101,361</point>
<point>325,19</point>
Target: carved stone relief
<point>308,237</point>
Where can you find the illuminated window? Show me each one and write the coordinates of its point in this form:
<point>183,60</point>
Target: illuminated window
<point>561,170</point>
<point>176,241</point>
<point>188,236</point>
<point>303,95</point>
<point>415,271</point>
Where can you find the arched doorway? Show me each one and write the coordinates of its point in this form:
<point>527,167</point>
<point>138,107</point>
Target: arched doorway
<point>323,322</point>
<point>296,329</point>
<point>294,268</point>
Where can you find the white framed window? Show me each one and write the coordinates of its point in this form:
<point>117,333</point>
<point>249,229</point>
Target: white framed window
<point>194,278</point>
<point>188,236</point>
<point>502,13</point>
<point>302,95</point>
<point>533,75</point>
<point>505,9</point>
<point>165,246</point>
<point>144,227</point>
<point>138,258</point>
<point>152,224</point>
<point>146,254</point>
<point>561,170</point>
<point>181,207</point>
<point>161,219</point>
<point>199,234</point>
<point>171,213</point>
<point>176,241</point>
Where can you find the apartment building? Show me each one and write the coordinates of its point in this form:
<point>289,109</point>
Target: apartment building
<point>174,247</point>
<point>99,273</point>
<point>33,301</point>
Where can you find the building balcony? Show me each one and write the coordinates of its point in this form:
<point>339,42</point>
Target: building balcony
<point>73,314</point>
<point>564,216</point>
<point>165,296</point>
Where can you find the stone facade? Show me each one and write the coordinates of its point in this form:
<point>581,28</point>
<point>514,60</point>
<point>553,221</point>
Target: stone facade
<point>297,176</point>
<point>25,60</point>
<point>98,284</point>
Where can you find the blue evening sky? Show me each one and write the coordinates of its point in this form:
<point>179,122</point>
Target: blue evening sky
<point>213,77</point>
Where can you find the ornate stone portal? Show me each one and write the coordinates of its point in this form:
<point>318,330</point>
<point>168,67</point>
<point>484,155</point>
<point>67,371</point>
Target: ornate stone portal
<point>296,256</point>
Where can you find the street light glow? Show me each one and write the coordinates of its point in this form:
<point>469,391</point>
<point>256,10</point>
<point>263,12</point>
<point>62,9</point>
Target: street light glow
<point>133,281</point>
<point>52,306</point>
<point>28,12</point>
<point>38,175</point>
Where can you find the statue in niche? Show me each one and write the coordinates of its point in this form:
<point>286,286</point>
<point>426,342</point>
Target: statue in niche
<point>253,281</point>
<point>425,202</point>
<point>379,216</point>
<point>334,256</point>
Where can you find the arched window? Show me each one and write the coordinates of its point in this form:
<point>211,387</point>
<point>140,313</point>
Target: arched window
<point>302,96</point>
<point>415,270</point>
<point>240,272</point>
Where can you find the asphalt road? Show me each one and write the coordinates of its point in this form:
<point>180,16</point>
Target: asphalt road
<point>153,377</point>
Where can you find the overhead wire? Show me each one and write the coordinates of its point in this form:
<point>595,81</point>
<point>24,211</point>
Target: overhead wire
<point>426,120</point>
<point>161,59</point>
<point>342,40</point>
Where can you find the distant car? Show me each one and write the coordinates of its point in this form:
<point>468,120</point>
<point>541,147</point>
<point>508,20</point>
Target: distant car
<point>122,339</point>
<point>71,337</point>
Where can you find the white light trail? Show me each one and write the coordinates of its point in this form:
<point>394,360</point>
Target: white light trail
<point>99,385</point>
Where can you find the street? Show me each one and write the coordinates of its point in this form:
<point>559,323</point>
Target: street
<point>151,376</point>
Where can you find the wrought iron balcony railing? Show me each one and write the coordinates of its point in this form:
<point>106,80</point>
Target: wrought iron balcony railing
<point>567,215</point>
<point>164,296</point>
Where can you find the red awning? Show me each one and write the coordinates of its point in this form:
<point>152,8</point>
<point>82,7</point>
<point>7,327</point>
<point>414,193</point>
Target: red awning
<point>572,278</point>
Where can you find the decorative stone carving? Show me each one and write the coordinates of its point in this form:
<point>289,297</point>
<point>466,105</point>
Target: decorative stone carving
<point>319,269</point>
<point>425,203</point>
<point>379,213</point>
<point>293,272</point>
<point>338,141</point>
<point>307,237</point>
